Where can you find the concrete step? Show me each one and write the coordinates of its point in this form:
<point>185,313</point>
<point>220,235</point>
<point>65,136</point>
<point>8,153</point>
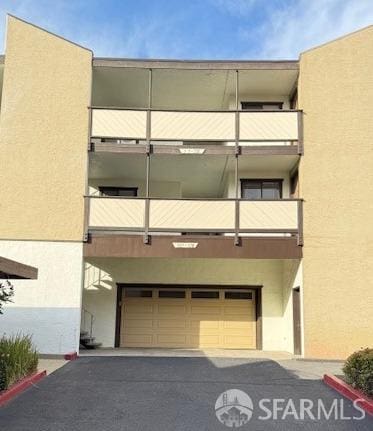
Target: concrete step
<point>92,345</point>
<point>86,339</point>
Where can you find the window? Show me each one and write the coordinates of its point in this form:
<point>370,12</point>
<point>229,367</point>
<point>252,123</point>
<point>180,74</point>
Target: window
<point>171,294</point>
<point>261,189</point>
<point>138,293</point>
<point>258,106</point>
<point>118,191</point>
<point>205,294</point>
<point>238,295</point>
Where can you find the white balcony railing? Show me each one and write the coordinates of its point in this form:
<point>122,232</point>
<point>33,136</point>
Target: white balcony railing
<point>195,215</point>
<point>156,125</point>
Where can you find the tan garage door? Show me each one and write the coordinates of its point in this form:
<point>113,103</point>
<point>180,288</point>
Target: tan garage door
<point>188,318</point>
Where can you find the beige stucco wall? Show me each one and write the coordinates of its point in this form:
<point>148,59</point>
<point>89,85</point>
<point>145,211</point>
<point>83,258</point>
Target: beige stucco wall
<point>101,276</point>
<point>43,135</point>
<point>336,177</point>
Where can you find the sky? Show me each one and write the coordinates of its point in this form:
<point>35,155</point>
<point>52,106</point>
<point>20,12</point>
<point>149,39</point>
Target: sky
<point>191,29</point>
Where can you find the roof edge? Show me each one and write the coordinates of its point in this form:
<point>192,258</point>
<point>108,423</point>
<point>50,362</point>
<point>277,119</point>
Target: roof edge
<point>344,36</point>
<point>50,32</point>
<point>16,269</point>
<point>196,64</point>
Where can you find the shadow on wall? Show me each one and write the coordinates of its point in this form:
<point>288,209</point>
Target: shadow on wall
<point>96,279</point>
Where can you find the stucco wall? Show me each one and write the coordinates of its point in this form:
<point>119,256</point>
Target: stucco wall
<point>292,278</point>
<point>101,276</point>
<point>43,135</point>
<point>336,177</point>
<point>47,308</point>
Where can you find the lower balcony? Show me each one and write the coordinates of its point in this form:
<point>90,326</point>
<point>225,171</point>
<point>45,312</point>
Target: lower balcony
<point>181,226</point>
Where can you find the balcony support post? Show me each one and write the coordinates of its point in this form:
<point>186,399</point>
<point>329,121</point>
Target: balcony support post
<point>300,223</point>
<point>148,152</point>
<point>300,133</point>
<point>87,203</point>
<point>237,154</point>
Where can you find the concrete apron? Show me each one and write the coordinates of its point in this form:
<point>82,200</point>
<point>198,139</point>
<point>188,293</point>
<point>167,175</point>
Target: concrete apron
<point>303,369</point>
<point>188,353</point>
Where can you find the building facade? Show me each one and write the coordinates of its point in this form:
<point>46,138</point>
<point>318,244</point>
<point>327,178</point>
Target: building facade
<point>188,204</point>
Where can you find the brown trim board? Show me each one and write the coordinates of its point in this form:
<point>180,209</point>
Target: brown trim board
<point>122,245</point>
<point>258,303</point>
<point>11,269</point>
<point>209,149</point>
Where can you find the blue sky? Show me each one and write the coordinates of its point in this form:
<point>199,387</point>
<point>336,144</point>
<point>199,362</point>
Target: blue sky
<point>205,29</point>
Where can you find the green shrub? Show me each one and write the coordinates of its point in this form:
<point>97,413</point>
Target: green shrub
<point>18,359</point>
<point>358,371</point>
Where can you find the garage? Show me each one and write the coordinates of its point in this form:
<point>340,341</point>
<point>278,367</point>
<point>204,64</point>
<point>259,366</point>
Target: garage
<point>174,317</point>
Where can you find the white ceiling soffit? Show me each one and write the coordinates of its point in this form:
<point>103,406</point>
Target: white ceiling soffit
<point>196,173</point>
<point>188,89</point>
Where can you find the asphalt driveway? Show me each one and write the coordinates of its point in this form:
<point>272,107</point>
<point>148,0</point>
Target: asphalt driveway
<point>161,394</point>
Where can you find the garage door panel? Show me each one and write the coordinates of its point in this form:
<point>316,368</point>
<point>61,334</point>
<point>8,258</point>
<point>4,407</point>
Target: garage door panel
<point>205,310</point>
<point>130,324</point>
<point>198,324</point>
<point>138,309</point>
<point>171,323</point>
<point>243,310</point>
<point>138,340</point>
<point>237,325</point>
<point>171,309</point>
<point>179,339</point>
<point>188,322</point>
<point>205,340</point>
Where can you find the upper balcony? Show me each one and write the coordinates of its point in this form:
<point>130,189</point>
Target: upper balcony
<point>193,206</point>
<point>215,108</point>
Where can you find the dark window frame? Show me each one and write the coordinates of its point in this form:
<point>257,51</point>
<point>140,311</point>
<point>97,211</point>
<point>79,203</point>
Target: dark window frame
<point>261,180</point>
<point>143,293</point>
<point>104,189</point>
<point>253,106</point>
<point>240,296</point>
<point>209,294</point>
<point>172,294</point>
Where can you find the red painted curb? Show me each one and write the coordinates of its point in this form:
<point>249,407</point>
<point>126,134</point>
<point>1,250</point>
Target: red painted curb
<point>349,392</point>
<point>71,356</point>
<point>20,386</point>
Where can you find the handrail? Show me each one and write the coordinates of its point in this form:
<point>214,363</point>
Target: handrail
<point>232,111</point>
<point>155,198</point>
<point>92,319</point>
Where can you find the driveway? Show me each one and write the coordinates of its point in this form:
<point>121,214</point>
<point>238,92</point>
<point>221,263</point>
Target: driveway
<point>161,394</point>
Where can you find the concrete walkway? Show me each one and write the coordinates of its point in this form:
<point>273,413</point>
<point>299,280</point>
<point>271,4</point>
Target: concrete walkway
<point>51,365</point>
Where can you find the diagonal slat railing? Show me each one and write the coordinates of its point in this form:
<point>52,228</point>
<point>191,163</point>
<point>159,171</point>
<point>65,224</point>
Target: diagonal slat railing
<point>269,216</point>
